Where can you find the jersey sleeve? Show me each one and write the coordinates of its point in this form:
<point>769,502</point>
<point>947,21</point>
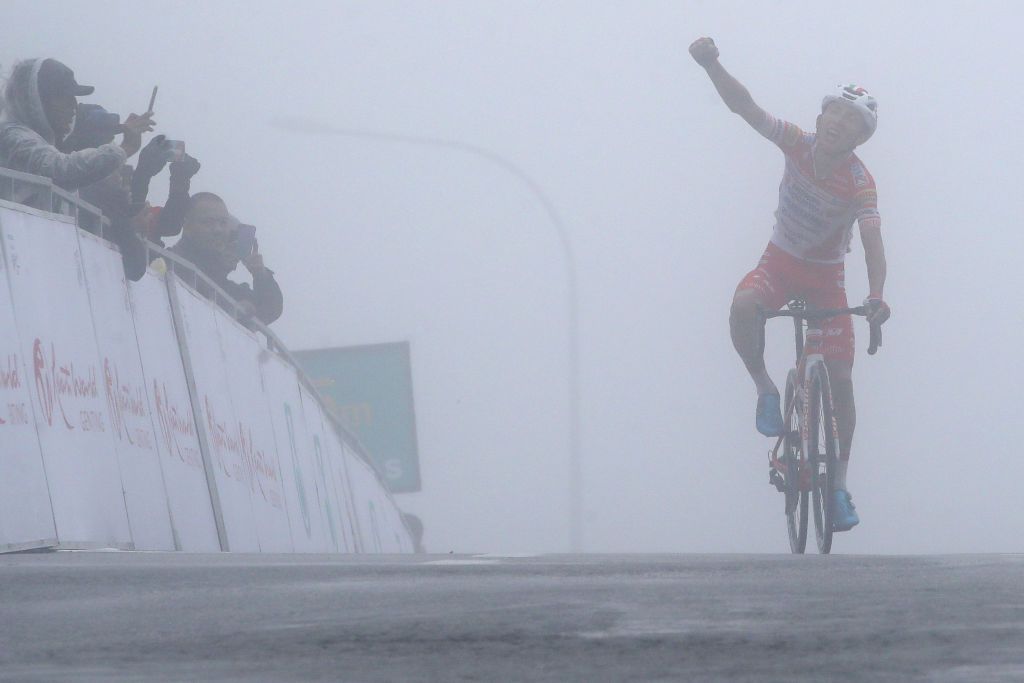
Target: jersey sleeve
<point>866,198</point>
<point>783,133</point>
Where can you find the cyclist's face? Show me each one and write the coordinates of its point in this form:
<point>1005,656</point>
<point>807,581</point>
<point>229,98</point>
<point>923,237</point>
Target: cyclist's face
<point>840,127</point>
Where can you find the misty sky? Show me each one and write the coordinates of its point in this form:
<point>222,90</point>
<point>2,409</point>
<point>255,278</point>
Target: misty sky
<point>668,201</point>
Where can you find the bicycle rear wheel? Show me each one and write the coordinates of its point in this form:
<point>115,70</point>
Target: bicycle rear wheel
<point>796,499</point>
<point>822,452</point>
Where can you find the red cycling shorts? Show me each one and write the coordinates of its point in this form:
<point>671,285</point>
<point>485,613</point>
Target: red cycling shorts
<point>781,277</point>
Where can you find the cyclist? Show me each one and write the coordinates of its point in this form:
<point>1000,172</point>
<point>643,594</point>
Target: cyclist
<point>825,188</point>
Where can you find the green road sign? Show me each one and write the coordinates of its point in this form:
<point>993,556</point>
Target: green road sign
<point>369,390</point>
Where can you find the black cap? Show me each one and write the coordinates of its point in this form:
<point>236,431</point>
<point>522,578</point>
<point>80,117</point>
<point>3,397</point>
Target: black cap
<point>56,78</point>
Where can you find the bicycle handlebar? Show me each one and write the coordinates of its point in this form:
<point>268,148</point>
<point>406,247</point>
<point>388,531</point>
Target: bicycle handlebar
<point>820,314</point>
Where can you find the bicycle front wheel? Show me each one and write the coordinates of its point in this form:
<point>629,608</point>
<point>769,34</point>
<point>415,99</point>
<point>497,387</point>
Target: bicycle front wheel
<point>822,453</point>
<point>796,495</point>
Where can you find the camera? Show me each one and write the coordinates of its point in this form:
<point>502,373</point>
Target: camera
<point>245,240</point>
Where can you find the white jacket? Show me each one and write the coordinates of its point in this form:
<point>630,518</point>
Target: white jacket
<point>27,143</point>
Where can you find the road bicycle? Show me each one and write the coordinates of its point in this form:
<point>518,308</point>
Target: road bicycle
<point>802,463</point>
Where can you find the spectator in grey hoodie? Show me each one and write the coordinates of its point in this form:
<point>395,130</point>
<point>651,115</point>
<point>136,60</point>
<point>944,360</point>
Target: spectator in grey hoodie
<point>40,102</point>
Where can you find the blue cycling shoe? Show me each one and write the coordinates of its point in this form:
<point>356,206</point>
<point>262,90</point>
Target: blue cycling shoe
<point>844,512</point>
<point>769,415</point>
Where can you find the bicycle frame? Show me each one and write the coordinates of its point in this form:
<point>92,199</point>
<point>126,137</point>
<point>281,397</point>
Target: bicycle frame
<point>805,472</point>
<point>805,362</point>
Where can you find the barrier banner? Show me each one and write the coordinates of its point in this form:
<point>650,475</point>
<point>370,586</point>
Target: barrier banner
<point>385,519</point>
<point>243,354</point>
<point>124,387</point>
<point>329,502</point>
<point>366,503</point>
<point>294,447</point>
<point>232,472</point>
<point>141,415</point>
<point>340,485</point>
<point>51,307</point>
<point>178,442</point>
<point>396,535</point>
<point>380,520</point>
<point>26,520</point>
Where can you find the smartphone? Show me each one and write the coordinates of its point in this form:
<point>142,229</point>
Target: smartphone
<point>245,240</point>
<point>152,99</point>
<point>175,150</point>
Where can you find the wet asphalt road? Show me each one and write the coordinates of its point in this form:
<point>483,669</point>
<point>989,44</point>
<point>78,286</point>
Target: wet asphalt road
<point>119,617</point>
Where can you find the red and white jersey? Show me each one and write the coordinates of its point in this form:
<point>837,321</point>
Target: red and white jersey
<point>814,221</point>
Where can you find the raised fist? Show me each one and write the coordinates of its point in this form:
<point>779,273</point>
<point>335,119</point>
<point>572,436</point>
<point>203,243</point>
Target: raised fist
<point>704,52</point>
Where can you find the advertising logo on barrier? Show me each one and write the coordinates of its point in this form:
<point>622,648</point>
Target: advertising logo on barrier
<point>175,423</point>
<point>369,390</point>
<point>125,401</point>
<point>56,381</point>
<point>16,412</point>
<point>251,465</point>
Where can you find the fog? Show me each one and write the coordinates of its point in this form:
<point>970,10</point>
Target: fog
<point>667,201</point>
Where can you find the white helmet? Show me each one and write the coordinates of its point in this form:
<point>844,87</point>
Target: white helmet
<point>861,100</point>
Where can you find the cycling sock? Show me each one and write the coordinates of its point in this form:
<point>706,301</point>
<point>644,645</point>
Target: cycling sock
<point>839,479</point>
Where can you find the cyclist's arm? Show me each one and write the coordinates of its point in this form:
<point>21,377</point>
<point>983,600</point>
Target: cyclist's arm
<point>738,99</point>
<point>874,256</point>
<point>870,223</point>
<point>735,95</point>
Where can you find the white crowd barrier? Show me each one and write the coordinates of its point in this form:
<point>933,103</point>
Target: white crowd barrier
<point>142,416</point>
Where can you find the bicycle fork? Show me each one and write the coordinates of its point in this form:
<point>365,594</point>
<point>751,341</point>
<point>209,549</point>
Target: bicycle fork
<point>812,461</point>
<point>777,470</point>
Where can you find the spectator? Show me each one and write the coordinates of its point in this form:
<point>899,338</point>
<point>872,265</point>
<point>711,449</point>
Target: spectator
<point>125,192</point>
<point>121,196</point>
<point>40,103</point>
<point>95,127</point>
<point>210,240</point>
<point>155,222</point>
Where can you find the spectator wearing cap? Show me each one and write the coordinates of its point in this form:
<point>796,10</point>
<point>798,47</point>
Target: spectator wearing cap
<point>95,127</point>
<point>210,240</point>
<point>40,103</point>
<point>123,194</point>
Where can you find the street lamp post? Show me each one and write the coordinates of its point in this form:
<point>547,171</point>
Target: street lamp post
<point>575,454</point>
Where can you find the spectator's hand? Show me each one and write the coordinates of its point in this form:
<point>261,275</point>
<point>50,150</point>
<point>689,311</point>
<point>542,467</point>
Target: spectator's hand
<point>704,52</point>
<point>153,157</point>
<point>254,263</point>
<point>133,128</point>
<point>185,169</point>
